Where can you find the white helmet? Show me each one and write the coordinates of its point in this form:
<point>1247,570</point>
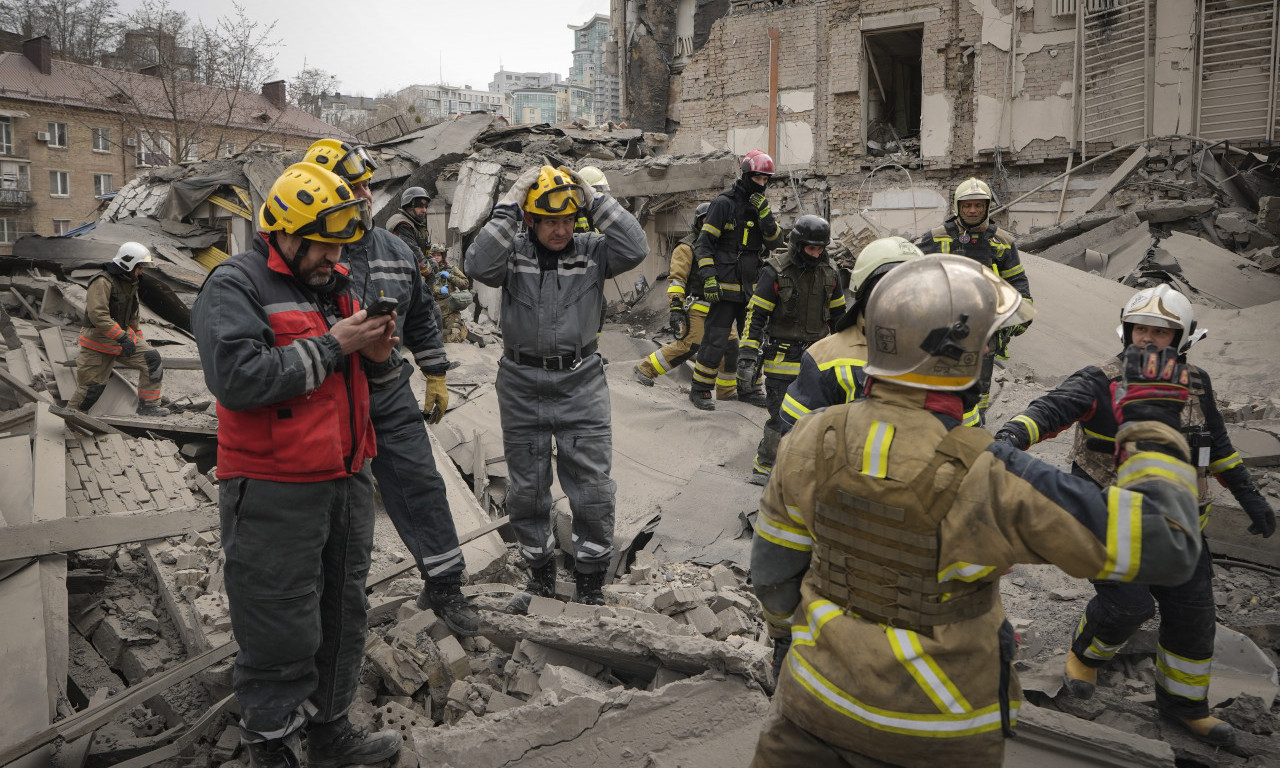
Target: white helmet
<point>930,318</point>
<point>1162,307</point>
<point>873,262</point>
<point>130,255</point>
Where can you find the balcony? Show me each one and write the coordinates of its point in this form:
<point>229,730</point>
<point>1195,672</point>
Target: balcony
<point>13,198</point>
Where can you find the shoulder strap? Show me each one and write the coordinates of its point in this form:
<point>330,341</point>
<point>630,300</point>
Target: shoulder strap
<point>962,445</point>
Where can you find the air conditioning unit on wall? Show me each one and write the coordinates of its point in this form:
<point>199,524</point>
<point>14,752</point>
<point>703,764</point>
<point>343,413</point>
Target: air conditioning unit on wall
<point>42,135</point>
<point>131,142</point>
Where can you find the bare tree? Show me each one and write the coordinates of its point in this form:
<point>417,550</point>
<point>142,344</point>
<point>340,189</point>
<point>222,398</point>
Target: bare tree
<point>78,30</point>
<point>309,85</point>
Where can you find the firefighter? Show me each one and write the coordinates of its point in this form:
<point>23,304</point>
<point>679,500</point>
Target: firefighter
<point>970,232</point>
<point>1184,655</point>
<point>551,381</point>
<point>884,530</point>
<point>797,300</point>
<point>111,334</point>
<point>688,317</point>
<point>831,368</point>
<point>736,234</point>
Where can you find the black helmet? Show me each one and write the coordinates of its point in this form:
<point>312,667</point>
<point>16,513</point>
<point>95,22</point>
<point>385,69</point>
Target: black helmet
<point>700,215</point>
<point>809,230</point>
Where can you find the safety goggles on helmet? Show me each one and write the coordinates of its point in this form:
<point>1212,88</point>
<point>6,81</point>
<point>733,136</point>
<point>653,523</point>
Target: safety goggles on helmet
<point>555,193</point>
<point>341,223</point>
<point>353,164</point>
<point>311,202</point>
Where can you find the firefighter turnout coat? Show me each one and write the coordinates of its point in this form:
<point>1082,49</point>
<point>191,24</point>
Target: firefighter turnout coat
<point>880,542</point>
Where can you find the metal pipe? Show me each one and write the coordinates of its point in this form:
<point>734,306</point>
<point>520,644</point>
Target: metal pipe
<point>774,34</point>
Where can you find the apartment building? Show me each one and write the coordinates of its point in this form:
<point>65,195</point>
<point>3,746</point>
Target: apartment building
<point>593,68</point>
<point>441,102</point>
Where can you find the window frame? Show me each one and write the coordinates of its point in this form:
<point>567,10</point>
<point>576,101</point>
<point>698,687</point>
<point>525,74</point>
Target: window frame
<point>58,135</point>
<point>8,230</point>
<point>98,190</point>
<point>105,135</point>
<point>63,224</point>
<point>65,175</point>
<point>6,135</point>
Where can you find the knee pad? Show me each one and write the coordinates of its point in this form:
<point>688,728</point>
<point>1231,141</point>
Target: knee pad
<point>91,395</point>
<point>730,356</point>
<point>155,367</point>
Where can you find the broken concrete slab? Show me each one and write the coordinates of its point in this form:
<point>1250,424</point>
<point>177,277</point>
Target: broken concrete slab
<point>1240,666</point>
<point>1257,447</point>
<point>474,195</point>
<point>679,173</point>
<point>1217,274</point>
<point>1117,177</point>
<point>1071,251</point>
<point>700,722</point>
<point>1050,738</point>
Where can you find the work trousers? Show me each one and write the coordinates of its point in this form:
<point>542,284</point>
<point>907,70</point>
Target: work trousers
<point>1184,653</point>
<point>412,490</point>
<point>775,391</point>
<point>783,744</point>
<point>674,354</point>
<point>571,405</point>
<point>297,556</point>
<point>724,315</point>
<point>93,369</point>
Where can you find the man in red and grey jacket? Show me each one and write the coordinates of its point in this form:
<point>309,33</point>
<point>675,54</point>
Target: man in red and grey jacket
<point>291,357</point>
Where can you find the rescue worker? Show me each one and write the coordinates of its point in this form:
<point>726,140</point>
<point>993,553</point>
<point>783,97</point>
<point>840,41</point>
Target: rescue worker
<point>410,225</point>
<point>551,380</point>
<point>797,300</point>
<point>291,356</point>
<point>737,232</point>
<point>688,317</point>
<point>111,334</point>
<point>451,291</point>
<point>412,490</point>
<point>1163,317</point>
<point>971,232</point>
<point>831,368</point>
<point>885,528</point>
<point>600,183</point>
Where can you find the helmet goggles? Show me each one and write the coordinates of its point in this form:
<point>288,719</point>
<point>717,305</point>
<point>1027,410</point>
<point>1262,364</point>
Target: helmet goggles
<point>340,223</point>
<point>561,198</point>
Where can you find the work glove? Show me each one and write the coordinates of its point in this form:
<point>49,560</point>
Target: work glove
<point>1153,387</point>
<point>747,362</point>
<point>1262,515</point>
<point>520,189</point>
<point>591,192</point>
<point>711,289</point>
<point>1019,329</point>
<point>127,347</point>
<point>781,647</point>
<point>679,321</point>
<point>1012,437</point>
<point>760,203</point>
<point>436,401</point>
<point>1000,343</point>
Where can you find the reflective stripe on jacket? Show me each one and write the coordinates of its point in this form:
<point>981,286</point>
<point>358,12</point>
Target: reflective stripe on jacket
<point>830,373</point>
<point>291,408</point>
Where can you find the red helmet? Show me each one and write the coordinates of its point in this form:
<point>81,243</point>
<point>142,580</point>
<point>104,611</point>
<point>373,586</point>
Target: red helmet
<point>757,162</point>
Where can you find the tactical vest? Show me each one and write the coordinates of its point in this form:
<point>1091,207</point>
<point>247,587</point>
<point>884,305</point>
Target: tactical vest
<point>985,248</point>
<point>1095,454</point>
<point>420,232</point>
<point>875,550</point>
<point>122,304</point>
<point>803,310</point>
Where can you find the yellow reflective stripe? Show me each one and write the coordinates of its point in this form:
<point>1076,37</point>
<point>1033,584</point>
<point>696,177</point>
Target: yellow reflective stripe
<point>784,535</point>
<point>731,287</point>
<point>676,290</point>
<point>1098,435</point>
<point>1225,463</point>
<point>793,512</point>
<point>875,453</point>
<point>1124,535</point>
<point>939,725</point>
<point>800,635</point>
<point>1014,272</point>
<point>726,380</point>
<point>658,364</point>
<point>962,571</point>
<point>1097,649</point>
<point>928,675</point>
<point>1188,678</point>
<point>1204,515</point>
<point>819,613</point>
<point>837,302</point>
<point>1146,464</point>
<point>929,381</point>
<point>765,304</point>
<point>944,243</point>
<point>782,368</point>
<point>775,619</point>
<point>703,375</point>
<point>793,408</point>
<point>700,305</point>
<point>1033,429</point>
<point>710,230</point>
<point>749,344</point>
<point>842,362</point>
<point>973,417</point>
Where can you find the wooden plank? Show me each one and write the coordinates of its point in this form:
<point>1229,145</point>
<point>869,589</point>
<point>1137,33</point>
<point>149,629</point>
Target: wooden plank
<point>181,743</point>
<point>70,534</point>
<point>1116,178</point>
<point>56,349</point>
<point>86,721</point>
<point>31,311</point>
<point>49,476</point>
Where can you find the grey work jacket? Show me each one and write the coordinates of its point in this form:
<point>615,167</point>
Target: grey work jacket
<point>556,312</point>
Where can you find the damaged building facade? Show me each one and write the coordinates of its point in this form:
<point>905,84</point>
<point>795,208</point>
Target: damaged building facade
<point>1006,89</point>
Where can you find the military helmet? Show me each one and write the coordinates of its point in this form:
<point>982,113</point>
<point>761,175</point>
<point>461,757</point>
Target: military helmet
<point>413,193</point>
<point>929,321</point>
<point>700,215</point>
<point>311,202</point>
<point>1163,307</point>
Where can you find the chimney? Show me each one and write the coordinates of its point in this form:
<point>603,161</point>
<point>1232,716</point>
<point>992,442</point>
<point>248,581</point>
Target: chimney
<point>274,91</point>
<point>39,51</point>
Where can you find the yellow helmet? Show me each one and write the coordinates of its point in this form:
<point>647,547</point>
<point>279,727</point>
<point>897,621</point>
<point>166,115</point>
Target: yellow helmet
<point>313,203</point>
<point>594,176</point>
<point>971,189</point>
<point>554,194</point>
<point>353,164</point>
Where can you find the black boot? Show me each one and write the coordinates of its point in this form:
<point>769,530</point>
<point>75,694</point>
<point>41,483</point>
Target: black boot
<point>702,400</point>
<point>151,409</point>
<point>445,597</point>
<point>590,587</point>
<point>339,744</point>
<point>276,753</point>
<point>542,580</point>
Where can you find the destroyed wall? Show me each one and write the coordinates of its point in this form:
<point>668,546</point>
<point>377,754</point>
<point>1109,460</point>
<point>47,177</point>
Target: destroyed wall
<point>662,35</point>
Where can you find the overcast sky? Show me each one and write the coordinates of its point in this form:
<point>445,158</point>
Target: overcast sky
<point>404,43</point>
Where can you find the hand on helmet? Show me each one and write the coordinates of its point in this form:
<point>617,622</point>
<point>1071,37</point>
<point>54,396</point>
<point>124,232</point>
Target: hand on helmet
<point>520,189</point>
<point>1154,387</point>
<point>591,192</point>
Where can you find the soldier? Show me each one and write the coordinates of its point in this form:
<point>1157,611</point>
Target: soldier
<point>688,317</point>
<point>111,334</point>
<point>452,293</point>
<point>885,528</point>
